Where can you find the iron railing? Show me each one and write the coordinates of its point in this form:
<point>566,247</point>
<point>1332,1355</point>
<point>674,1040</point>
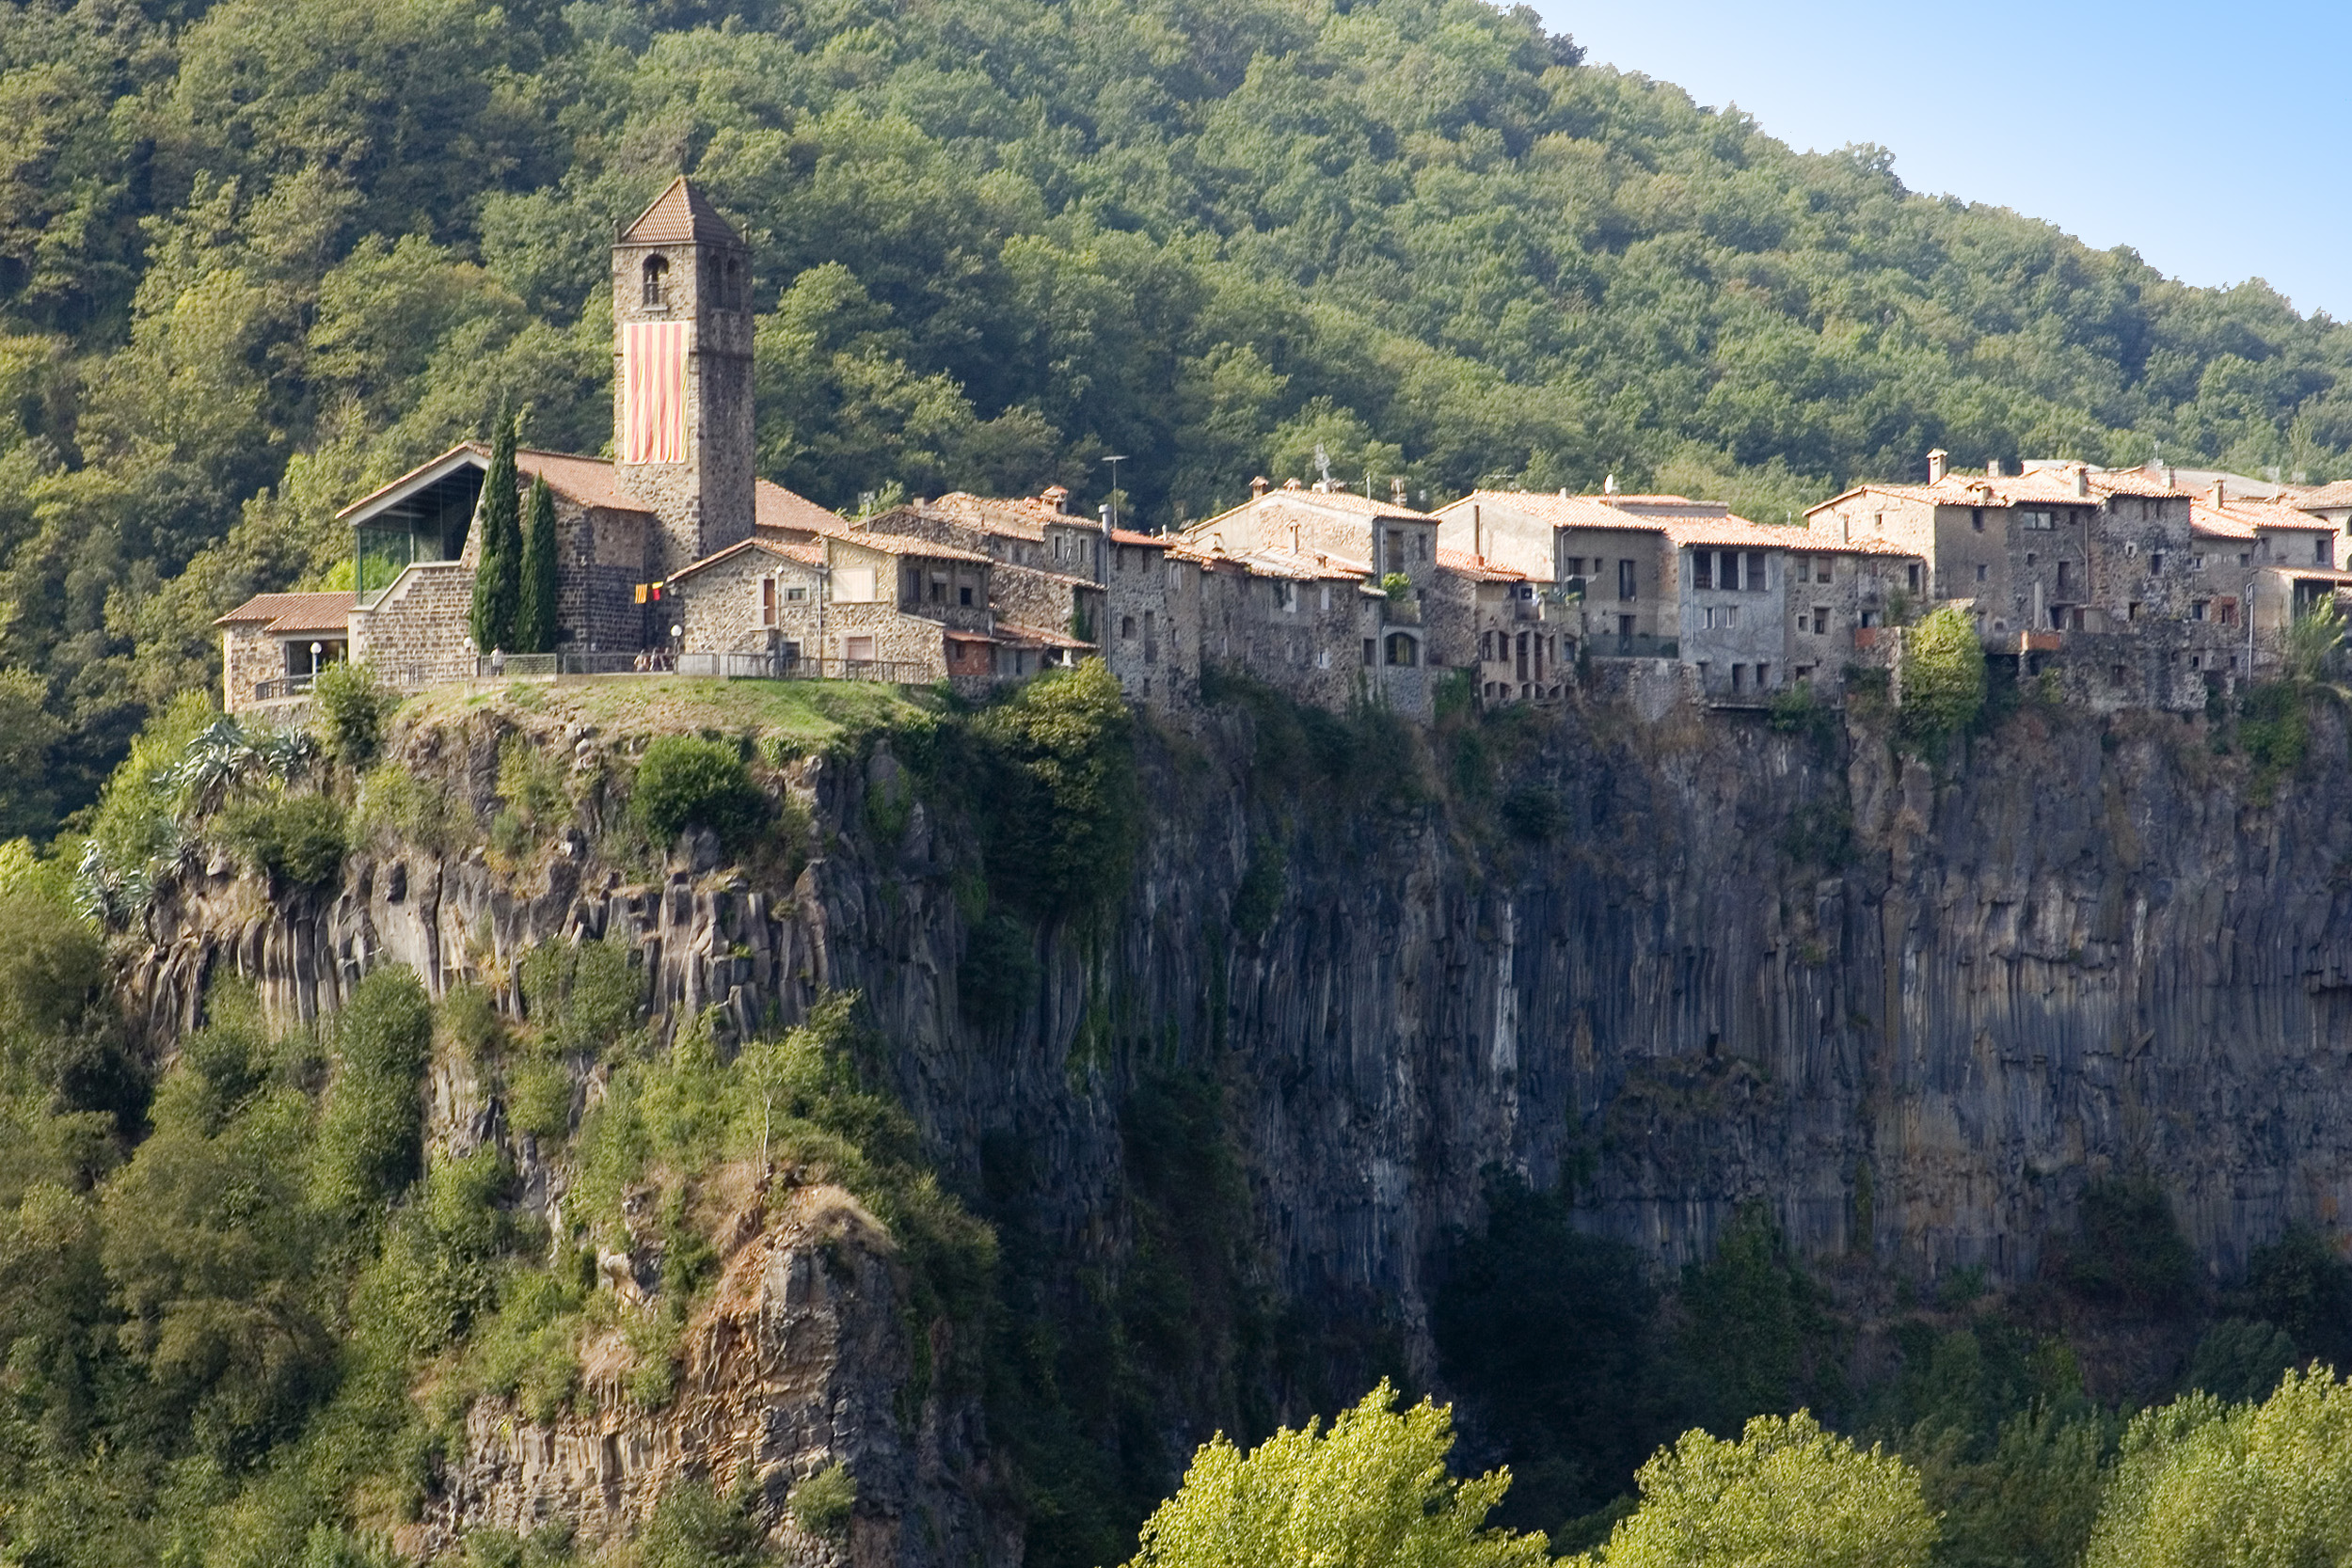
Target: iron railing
<point>718,666</point>
<point>282,686</point>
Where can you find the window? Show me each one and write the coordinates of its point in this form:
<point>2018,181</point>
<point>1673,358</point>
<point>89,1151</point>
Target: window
<point>1420,543</point>
<point>1820,570</point>
<point>939,591</point>
<point>1911,574</point>
<point>1731,616</point>
<point>796,595</point>
<point>2197,611</point>
<point>1739,677</point>
<point>1127,625</point>
<point>857,649</point>
<point>1755,571</point>
<point>1575,565</point>
<point>963,596</point>
<point>1821,621</point>
<point>656,277</point>
<point>2036,519</point>
<point>2319,550</point>
<point>1150,639</point>
<point>2155,562</point>
<point>1396,549</point>
<point>1404,650</point>
<point>2061,578</point>
<point>1323,659</point>
<point>1625,579</point>
<point>1368,647</point>
<point>767,601</point>
<point>2131,611</point>
<point>1982,570</point>
<point>1322,597</point>
<point>1702,568</point>
<point>1763,677</point>
<point>2228,609</point>
<point>1061,548</point>
<point>1975,519</point>
<point>854,584</point>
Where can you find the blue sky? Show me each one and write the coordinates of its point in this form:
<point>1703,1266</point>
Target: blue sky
<point>2210,138</point>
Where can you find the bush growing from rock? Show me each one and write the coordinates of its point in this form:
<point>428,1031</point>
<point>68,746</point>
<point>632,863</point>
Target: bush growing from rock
<point>684,782</point>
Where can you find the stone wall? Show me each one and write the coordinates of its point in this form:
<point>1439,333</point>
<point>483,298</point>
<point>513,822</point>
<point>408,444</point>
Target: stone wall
<point>724,608</point>
<point>602,554</point>
<point>913,641</point>
<point>249,656</point>
<point>420,630</point>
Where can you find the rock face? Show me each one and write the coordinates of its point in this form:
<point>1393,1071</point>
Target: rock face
<point>1911,1010</point>
<point>796,1364</point>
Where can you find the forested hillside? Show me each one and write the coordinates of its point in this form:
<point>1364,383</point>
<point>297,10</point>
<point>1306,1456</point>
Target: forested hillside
<point>257,256</point>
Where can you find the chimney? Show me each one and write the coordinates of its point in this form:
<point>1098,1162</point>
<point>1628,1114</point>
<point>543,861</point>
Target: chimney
<point>1478,533</point>
<point>1992,468</point>
<point>1257,487</point>
<point>2220,493</point>
<point>2171,477</point>
<point>1290,485</point>
<point>1056,497</point>
<point>1396,492</point>
<point>1938,461</point>
<point>1608,485</point>
<point>2082,479</point>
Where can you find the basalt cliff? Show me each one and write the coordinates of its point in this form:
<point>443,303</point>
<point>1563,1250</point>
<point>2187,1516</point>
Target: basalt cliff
<point>1670,964</point>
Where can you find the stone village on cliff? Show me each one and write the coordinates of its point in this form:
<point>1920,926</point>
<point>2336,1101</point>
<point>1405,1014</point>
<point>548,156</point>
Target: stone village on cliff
<point>2138,587</point>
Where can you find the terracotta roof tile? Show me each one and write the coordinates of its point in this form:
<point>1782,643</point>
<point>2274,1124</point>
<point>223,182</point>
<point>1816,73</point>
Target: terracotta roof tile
<point>2336,494</point>
<point>891,544</point>
<point>680,214</point>
<point>294,612</point>
<point>1318,501</point>
<point>1476,568</point>
<point>804,555</point>
<point>1149,541</point>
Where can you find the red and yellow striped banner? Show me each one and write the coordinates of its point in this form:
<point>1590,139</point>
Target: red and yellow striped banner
<point>653,392</point>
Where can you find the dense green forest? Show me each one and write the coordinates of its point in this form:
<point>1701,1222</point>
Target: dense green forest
<point>257,256</point>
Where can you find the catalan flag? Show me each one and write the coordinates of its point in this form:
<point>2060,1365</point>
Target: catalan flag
<point>653,392</point>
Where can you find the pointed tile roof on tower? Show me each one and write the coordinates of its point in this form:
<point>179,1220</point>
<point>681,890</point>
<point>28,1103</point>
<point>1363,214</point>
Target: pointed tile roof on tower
<point>680,214</point>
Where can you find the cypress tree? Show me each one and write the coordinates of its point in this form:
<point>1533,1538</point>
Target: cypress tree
<point>534,616</point>
<point>498,580</point>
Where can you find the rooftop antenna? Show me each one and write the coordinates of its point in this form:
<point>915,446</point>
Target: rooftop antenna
<point>1323,465</point>
<point>1115,461</point>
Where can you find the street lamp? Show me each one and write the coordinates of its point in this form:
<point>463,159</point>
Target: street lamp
<point>316,649</point>
<point>1115,462</point>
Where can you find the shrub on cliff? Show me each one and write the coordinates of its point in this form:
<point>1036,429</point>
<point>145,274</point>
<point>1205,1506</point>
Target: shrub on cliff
<point>1371,1491</point>
<point>684,781</point>
<point>371,1134</point>
<point>1060,795</point>
<point>1786,1494</point>
<point>302,838</point>
<point>353,705</point>
<point>1942,678</point>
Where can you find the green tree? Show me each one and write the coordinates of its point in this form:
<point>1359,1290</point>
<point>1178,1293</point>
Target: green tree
<point>1371,1491</point>
<point>1786,1494</point>
<point>371,1134</point>
<point>498,577</point>
<point>535,614</point>
<point>2265,1485</point>
<point>1943,677</point>
<point>685,779</point>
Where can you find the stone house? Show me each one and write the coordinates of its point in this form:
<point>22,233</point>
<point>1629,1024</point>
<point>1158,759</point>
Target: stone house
<point>756,596</point>
<point>2256,566</point>
<point>274,643</point>
<point>1301,536</point>
<point>1493,619</point>
<point>1052,607</point>
<point>1306,623</point>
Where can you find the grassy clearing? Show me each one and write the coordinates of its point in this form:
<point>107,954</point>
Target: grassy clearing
<point>806,714</point>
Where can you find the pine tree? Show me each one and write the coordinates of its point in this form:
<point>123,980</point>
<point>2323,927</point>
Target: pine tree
<point>497,582</point>
<point>535,617</point>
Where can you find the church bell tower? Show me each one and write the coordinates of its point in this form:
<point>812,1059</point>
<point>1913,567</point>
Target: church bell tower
<point>682,374</point>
